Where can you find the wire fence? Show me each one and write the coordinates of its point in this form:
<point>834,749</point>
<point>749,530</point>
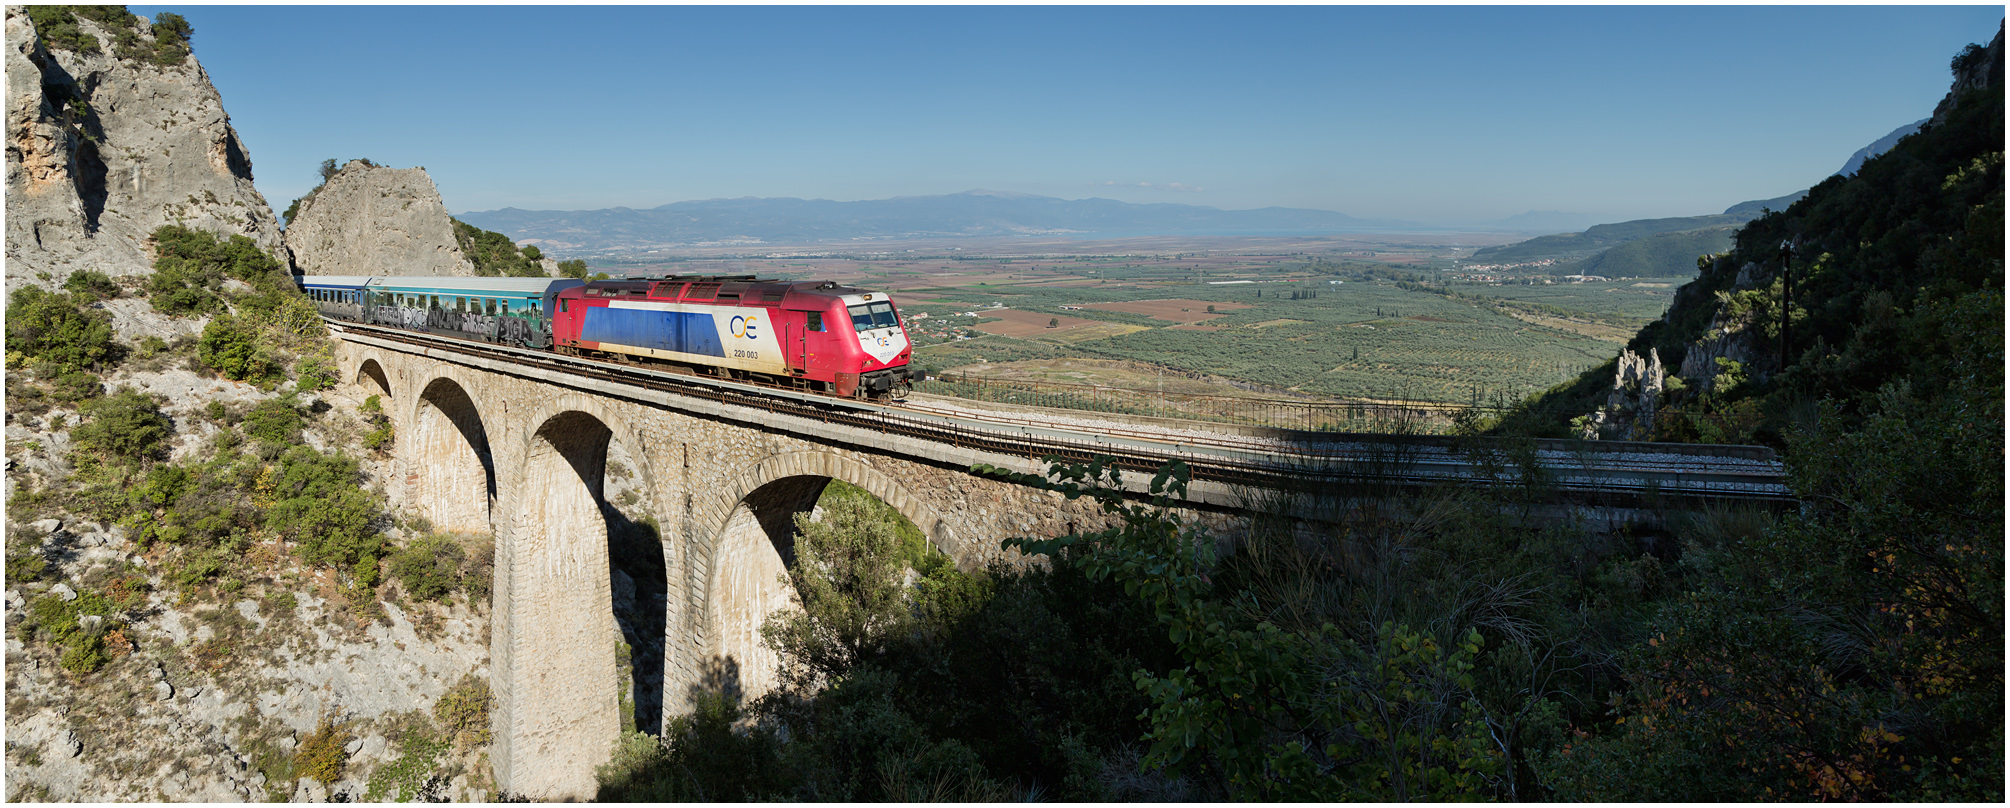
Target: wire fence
<point>1391,414</point>
<point>1310,415</point>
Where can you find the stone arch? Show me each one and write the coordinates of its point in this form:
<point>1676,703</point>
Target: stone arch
<point>553,630</point>
<point>753,532</point>
<point>447,448</point>
<point>371,377</point>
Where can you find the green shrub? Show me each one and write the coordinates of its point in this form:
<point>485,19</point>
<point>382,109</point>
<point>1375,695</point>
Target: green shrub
<point>60,622</point>
<point>403,779</point>
<point>575,268</point>
<point>318,503</point>
<point>230,347</point>
<point>27,565</point>
<point>85,654</point>
<point>314,373</point>
<point>274,422</point>
<point>171,35</point>
<point>126,425</point>
<point>57,26</point>
<point>44,326</point>
<point>76,386</point>
<point>493,254</point>
<point>89,286</point>
<point>533,253</point>
<point>429,567</point>
<point>191,265</point>
<point>380,437</point>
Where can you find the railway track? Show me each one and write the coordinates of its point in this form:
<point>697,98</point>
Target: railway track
<point>1579,471</point>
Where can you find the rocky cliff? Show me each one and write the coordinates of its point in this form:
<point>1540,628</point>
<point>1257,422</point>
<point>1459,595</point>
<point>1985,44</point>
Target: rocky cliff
<point>374,220</point>
<point>103,148</point>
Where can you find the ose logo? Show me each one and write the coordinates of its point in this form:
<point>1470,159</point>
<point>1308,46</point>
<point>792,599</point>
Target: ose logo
<point>744,326</point>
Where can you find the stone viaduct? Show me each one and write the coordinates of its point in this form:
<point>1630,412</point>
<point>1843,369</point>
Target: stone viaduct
<point>535,457</point>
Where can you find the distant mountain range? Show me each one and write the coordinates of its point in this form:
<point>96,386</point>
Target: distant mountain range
<point>1657,247</point>
<point>971,213</point>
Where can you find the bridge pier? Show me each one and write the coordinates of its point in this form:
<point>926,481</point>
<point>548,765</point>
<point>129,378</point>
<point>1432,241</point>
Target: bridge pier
<point>526,456</point>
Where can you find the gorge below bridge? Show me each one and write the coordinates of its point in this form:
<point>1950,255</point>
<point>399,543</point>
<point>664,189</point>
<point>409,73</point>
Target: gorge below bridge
<point>606,484</point>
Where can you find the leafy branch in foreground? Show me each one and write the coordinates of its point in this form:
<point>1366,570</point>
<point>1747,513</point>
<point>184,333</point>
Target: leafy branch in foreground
<point>1282,714</point>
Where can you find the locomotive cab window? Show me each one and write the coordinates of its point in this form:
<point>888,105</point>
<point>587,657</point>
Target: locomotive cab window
<point>873,315</point>
<point>815,320</point>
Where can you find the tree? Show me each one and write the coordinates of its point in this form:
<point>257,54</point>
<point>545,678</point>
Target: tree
<point>328,169</point>
<point>849,580</point>
<point>1054,322</point>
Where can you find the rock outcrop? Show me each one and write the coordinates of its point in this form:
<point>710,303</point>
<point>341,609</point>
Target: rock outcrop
<point>101,150</point>
<point>373,220</point>
<point>1629,407</point>
<point>1977,70</point>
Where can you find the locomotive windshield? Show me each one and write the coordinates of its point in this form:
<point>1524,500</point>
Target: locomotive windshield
<point>873,315</point>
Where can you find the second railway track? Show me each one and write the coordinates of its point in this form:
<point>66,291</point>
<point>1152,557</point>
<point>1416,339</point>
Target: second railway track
<point>1578,470</point>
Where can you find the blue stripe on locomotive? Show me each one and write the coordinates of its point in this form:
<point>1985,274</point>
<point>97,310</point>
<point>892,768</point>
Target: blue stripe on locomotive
<point>682,331</point>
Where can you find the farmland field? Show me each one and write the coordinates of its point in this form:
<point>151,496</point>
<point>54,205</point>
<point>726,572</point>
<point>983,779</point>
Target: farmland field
<point>1341,318</point>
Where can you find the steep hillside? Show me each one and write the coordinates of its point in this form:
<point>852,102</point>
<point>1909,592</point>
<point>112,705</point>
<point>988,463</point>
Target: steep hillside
<point>113,130</point>
<point>1897,276</point>
<point>1599,237</point>
<point>210,596</point>
<point>1849,648</point>
<point>1663,255</point>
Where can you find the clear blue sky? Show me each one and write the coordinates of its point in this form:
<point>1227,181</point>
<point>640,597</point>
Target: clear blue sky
<point>1425,113</point>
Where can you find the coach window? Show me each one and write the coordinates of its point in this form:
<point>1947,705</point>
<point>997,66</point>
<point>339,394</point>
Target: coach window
<point>505,308</point>
<point>816,320</point>
<point>489,306</point>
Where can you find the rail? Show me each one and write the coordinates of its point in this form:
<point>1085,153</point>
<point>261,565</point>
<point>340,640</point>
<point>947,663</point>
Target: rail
<point>1287,460</point>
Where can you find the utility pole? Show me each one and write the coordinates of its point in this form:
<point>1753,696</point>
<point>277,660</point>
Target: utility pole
<point>1786,298</point>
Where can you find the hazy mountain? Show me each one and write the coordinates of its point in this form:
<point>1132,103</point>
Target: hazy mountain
<point>1658,247</point>
<point>1750,210</point>
<point>1882,145</point>
<point>1542,221</point>
<point>1599,237</point>
<point>972,213</point>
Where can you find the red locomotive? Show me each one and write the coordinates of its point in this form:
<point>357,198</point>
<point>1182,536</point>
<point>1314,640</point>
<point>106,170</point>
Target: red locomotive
<point>819,335</point>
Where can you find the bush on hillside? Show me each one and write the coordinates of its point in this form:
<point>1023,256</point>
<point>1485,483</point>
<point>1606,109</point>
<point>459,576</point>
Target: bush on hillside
<point>274,422</point>
<point>127,425</point>
<point>429,567</point>
<point>89,286</point>
<point>44,326</point>
<point>230,347</point>
<point>493,253</point>
<point>190,267</point>
<point>317,502</point>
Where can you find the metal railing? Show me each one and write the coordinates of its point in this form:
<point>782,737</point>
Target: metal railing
<point>1391,414</point>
